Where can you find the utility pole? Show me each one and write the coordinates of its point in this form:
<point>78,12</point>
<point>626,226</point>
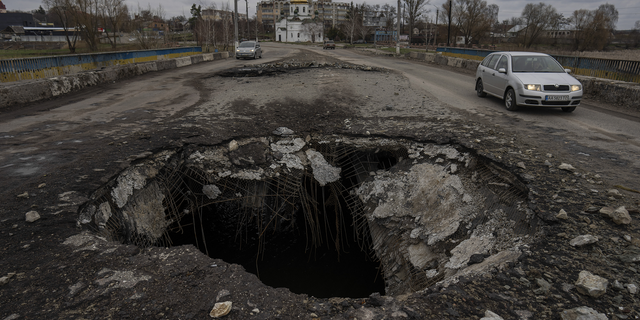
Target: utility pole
<point>449,29</point>
<point>246,4</point>
<point>323,32</point>
<point>435,37</point>
<point>235,24</point>
<point>398,28</point>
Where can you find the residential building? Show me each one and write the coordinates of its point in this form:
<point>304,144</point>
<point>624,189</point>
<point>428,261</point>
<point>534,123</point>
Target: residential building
<point>375,19</point>
<point>38,34</point>
<point>16,19</point>
<point>156,26</point>
<point>218,15</point>
<point>299,24</point>
<point>332,13</point>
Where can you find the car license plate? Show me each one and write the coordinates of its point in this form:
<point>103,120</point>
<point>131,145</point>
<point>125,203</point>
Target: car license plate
<point>556,98</point>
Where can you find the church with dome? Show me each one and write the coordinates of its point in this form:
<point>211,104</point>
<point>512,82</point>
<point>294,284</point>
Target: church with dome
<point>299,24</point>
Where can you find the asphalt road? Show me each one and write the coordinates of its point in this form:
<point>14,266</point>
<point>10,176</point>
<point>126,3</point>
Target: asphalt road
<point>600,137</point>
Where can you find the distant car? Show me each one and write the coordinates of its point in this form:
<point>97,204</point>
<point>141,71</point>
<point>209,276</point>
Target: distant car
<point>249,49</point>
<point>329,44</point>
<point>528,79</point>
<point>359,41</point>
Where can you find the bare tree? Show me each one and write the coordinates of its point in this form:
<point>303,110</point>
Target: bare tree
<point>63,10</point>
<point>313,28</point>
<point>415,9</point>
<point>354,21</point>
<point>473,18</point>
<point>369,18</point>
<point>592,29</point>
<point>610,13</point>
<point>142,19</point>
<point>226,26</point>
<point>537,18</point>
<point>206,28</point>
<point>389,12</point>
<point>114,12</point>
<point>87,20</point>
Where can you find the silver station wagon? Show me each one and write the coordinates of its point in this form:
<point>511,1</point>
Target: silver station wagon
<point>528,79</point>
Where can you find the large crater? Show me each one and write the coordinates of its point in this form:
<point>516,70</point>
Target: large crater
<point>324,215</point>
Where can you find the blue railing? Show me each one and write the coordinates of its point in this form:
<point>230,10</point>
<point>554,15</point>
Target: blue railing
<point>41,67</point>
<point>623,70</point>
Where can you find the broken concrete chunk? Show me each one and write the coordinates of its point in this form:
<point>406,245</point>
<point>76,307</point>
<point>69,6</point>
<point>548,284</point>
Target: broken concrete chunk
<point>583,240</point>
<point>490,315</point>
<point>582,313</point>
<point>614,193</point>
<point>566,166</point>
<point>222,294</point>
<point>31,216</point>
<point>103,215</point>
<point>221,309</point>
<point>420,255</point>
<point>211,191</point>
<point>233,145</point>
<point>5,279</point>
<point>632,288</point>
<point>283,131</point>
<point>619,215</point>
<point>145,212</point>
<point>288,145</point>
<point>127,182</point>
<point>323,172</point>
<point>467,248</point>
<point>292,161</point>
<point>562,215</point>
<point>591,285</point>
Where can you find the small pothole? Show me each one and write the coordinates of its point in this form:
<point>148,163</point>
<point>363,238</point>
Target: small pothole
<point>326,216</point>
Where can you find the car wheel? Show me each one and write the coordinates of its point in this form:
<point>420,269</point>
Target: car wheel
<point>510,100</point>
<point>255,56</point>
<point>568,109</point>
<point>480,89</point>
<point>238,58</point>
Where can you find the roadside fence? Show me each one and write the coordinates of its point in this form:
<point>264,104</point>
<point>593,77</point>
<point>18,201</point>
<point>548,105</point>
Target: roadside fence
<point>43,67</point>
<point>621,70</point>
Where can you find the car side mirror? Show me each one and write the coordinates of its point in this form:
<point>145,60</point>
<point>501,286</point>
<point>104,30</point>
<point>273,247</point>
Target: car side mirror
<point>567,70</point>
<point>502,70</point>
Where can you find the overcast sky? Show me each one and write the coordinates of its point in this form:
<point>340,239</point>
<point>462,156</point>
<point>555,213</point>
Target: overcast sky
<point>628,10</point>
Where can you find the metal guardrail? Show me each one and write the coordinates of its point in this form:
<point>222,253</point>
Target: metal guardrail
<point>42,67</point>
<point>622,70</point>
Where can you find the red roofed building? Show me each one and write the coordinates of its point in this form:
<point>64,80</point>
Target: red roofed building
<point>3,9</point>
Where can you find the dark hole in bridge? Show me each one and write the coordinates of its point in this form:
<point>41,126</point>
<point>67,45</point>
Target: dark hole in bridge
<point>279,248</point>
